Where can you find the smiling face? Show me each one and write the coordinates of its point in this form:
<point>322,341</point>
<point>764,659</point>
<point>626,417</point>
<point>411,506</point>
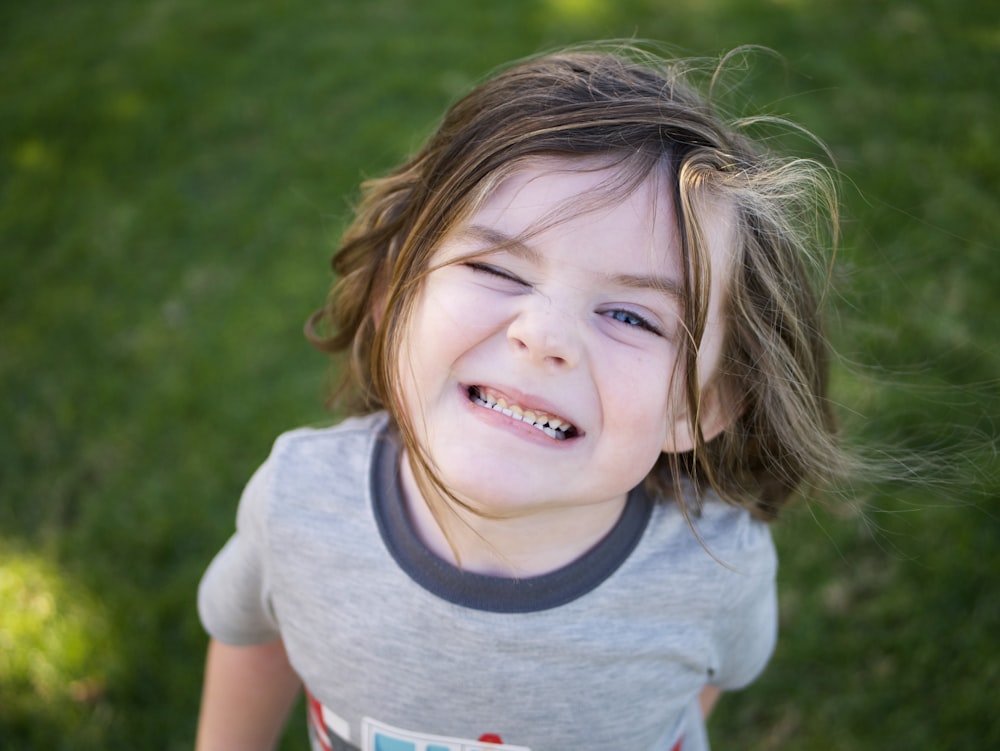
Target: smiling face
<point>538,368</point>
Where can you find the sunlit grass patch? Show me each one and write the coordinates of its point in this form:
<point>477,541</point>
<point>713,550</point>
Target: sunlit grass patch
<point>57,651</point>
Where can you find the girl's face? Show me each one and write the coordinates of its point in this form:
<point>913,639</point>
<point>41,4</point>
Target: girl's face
<point>538,376</point>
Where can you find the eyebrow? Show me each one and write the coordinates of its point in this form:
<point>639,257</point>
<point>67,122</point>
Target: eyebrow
<point>497,239</point>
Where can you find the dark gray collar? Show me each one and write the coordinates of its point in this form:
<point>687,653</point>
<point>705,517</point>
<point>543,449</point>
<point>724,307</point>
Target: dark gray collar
<point>493,593</point>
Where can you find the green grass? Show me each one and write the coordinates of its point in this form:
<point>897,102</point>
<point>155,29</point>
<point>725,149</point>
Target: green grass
<point>173,176</point>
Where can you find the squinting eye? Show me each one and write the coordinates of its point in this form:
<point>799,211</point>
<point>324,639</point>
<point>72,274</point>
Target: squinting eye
<point>485,268</point>
<point>631,319</point>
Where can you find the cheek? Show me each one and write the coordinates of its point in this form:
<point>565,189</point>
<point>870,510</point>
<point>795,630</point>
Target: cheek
<point>456,311</point>
<point>407,383</point>
<point>637,390</point>
<point>417,349</point>
<point>446,324</point>
<point>637,428</point>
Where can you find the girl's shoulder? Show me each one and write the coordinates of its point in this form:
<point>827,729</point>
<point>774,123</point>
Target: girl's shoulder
<point>350,436</point>
<point>324,455</point>
<point>712,530</point>
<point>349,429</point>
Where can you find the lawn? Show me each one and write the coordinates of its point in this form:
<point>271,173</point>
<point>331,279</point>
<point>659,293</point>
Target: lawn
<point>173,177</point>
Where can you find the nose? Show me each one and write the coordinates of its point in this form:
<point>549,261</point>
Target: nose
<point>545,335</point>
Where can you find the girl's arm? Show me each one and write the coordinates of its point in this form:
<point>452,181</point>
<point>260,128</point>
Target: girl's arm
<point>247,696</point>
<point>709,695</point>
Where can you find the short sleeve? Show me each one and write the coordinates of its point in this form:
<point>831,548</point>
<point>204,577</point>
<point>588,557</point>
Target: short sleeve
<point>746,630</point>
<point>233,599</point>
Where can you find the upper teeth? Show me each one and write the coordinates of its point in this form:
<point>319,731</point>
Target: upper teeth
<point>553,427</point>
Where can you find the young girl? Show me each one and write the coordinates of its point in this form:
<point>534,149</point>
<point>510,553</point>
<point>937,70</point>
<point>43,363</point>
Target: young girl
<point>585,342</point>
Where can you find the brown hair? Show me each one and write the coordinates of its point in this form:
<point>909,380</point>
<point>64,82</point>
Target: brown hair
<point>643,113</point>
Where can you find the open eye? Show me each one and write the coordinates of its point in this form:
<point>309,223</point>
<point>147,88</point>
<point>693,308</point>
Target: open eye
<point>630,318</point>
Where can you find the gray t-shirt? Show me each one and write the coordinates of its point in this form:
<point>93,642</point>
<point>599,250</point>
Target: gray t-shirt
<point>400,651</point>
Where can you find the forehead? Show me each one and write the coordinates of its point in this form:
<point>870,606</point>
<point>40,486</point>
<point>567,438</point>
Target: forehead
<point>585,200</point>
<point>558,189</point>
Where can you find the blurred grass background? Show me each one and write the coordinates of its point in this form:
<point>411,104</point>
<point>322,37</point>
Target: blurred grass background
<point>173,176</point>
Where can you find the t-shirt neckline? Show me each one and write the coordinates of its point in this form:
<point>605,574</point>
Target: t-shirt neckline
<point>494,593</point>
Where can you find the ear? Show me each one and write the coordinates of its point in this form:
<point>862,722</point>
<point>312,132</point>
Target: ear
<point>718,410</point>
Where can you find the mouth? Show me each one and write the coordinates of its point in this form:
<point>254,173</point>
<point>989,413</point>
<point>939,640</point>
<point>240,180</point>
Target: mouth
<point>554,427</point>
